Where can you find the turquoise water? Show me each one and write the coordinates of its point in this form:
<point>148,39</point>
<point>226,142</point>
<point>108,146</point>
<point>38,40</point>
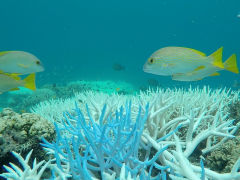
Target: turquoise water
<point>83,39</point>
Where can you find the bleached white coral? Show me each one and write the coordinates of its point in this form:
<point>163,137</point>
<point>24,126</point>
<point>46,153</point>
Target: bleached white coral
<point>28,173</point>
<point>202,115</point>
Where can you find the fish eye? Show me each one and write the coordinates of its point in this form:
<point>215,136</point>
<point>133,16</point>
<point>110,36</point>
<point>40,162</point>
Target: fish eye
<point>151,60</point>
<point>38,62</point>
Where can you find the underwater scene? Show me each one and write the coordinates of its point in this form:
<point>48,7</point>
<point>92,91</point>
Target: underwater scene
<point>120,90</point>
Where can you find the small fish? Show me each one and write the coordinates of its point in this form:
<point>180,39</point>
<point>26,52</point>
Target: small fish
<point>236,84</point>
<point>182,63</point>
<point>118,67</point>
<point>19,62</point>
<point>11,82</point>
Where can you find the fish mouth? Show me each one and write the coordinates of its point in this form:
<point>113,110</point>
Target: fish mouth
<point>146,69</point>
<point>41,69</point>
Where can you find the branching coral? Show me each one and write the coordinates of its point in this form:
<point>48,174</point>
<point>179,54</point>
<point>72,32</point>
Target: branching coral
<point>28,173</point>
<point>190,123</point>
<point>104,146</point>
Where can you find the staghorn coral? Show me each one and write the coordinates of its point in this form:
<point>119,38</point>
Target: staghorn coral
<point>191,123</point>
<point>105,146</point>
<point>109,151</point>
<point>27,172</point>
<point>202,113</point>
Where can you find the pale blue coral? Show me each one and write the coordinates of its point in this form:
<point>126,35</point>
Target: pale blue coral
<point>106,146</point>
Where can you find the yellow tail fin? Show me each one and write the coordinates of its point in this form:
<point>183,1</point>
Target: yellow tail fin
<point>4,52</point>
<point>231,64</point>
<point>30,82</point>
<point>217,58</point>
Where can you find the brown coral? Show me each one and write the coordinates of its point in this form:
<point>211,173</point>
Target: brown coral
<point>223,158</point>
<point>22,132</point>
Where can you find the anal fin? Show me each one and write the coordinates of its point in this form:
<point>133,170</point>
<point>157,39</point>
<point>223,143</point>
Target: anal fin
<point>215,74</point>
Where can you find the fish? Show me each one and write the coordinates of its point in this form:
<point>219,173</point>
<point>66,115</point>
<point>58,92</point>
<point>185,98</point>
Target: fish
<point>12,82</point>
<point>19,62</point>
<point>202,72</point>
<point>118,67</point>
<point>184,63</point>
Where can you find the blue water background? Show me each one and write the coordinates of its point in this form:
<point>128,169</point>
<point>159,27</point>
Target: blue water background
<point>81,40</point>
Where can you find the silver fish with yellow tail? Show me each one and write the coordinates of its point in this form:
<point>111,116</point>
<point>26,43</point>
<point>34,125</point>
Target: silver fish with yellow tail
<point>186,64</point>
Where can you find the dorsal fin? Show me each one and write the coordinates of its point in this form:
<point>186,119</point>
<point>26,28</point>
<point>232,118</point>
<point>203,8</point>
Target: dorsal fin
<point>217,58</point>
<point>196,51</point>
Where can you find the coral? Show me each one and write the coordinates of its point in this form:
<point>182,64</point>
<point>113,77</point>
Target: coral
<point>107,150</point>
<point>28,173</point>
<point>234,110</point>
<point>95,150</point>
<point>108,87</point>
<point>53,110</point>
<point>29,99</point>
<point>22,132</point>
<point>202,113</point>
<point>55,91</point>
<point>223,158</point>
<point>192,123</point>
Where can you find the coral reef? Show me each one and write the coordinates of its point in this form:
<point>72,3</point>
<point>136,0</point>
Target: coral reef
<point>56,91</point>
<point>108,87</point>
<point>29,99</point>
<point>182,130</point>
<point>202,113</point>
<point>96,150</point>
